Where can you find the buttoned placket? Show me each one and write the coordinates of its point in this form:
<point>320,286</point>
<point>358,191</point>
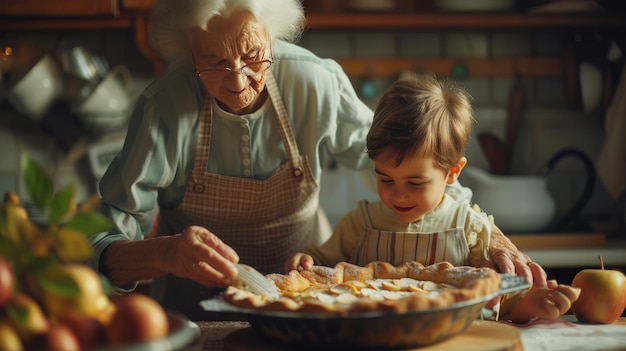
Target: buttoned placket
<point>245,151</point>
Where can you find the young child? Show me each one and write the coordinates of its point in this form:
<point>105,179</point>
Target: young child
<point>417,141</point>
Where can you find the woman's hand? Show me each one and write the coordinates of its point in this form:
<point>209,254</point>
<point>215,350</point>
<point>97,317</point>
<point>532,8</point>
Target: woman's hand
<point>506,258</point>
<point>200,255</point>
<point>298,261</point>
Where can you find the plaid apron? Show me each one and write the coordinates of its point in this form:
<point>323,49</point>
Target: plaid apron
<point>399,247</point>
<point>263,220</point>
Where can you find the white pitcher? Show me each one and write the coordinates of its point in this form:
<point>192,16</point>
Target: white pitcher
<point>522,203</point>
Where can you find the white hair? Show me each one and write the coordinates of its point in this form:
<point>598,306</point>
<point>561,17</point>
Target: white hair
<point>172,19</point>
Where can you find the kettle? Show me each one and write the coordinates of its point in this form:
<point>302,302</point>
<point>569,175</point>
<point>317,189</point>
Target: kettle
<point>522,203</point>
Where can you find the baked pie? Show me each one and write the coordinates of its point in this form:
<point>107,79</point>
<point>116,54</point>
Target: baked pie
<point>378,286</point>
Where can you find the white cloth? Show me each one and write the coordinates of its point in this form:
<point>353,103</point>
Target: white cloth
<point>561,335</point>
<point>612,160</point>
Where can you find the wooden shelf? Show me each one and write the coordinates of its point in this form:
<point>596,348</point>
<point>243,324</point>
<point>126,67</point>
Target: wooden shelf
<point>60,23</point>
<point>79,8</point>
<point>443,66</point>
<point>462,20</point>
<point>558,240</point>
<point>133,15</point>
<point>335,20</point>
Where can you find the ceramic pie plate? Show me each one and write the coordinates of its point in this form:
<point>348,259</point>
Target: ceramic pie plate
<point>366,330</point>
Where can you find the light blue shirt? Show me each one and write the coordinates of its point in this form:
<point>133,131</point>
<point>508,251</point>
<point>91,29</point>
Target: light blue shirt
<point>328,120</point>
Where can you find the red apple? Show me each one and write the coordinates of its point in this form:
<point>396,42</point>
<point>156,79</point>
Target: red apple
<point>7,282</point>
<point>602,296</point>
<point>89,331</point>
<point>57,338</point>
<point>137,318</point>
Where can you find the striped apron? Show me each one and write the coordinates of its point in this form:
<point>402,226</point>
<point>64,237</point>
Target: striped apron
<point>399,247</point>
<point>264,221</point>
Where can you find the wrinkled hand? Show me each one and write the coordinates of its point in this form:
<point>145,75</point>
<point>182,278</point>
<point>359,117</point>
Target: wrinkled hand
<point>546,303</point>
<point>515,262</point>
<point>298,261</point>
<point>506,258</point>
<point>200,255</point>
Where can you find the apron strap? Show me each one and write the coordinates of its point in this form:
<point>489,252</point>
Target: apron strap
<point>290,142</point>
<point>365,216</point>
<point>201,158</point>
<point>461,215</point>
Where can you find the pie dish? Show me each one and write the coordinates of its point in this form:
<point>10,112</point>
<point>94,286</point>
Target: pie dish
<point>380,326</point>
<point>376,287</point>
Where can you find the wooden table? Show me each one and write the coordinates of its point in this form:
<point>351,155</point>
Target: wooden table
<point>214,332</point>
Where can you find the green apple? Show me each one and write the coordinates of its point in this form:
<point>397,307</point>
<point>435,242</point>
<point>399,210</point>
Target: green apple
<point>602,296</point>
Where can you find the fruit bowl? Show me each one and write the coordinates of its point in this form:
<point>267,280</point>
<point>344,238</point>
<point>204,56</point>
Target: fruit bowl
<point>182,333</point>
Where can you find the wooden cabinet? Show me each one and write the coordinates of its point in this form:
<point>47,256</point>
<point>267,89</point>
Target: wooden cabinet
<point>133,14</point>
<point>449,20</point>
<point>64,8</point>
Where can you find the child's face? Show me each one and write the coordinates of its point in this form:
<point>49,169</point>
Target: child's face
<point>412,188</point>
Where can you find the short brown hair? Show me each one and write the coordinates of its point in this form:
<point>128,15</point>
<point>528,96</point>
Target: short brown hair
<point>423,114</point>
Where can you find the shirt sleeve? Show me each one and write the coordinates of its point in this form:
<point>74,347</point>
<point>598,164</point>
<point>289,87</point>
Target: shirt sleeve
<point>130,186</point>
<point>346,141</point>
<point>339,247</point>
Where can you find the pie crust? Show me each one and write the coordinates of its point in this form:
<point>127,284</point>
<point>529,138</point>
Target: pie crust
<point>407,287</point>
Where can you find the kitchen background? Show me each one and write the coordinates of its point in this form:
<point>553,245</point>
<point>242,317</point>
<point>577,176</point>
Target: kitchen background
<point>553,66</point>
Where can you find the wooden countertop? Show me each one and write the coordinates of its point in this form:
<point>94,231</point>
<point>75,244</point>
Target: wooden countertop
<point>565,330</point>
<point>213,334</point>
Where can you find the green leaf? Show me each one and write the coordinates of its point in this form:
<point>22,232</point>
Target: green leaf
<point>89,223</point>
<point>8,249</point>
<point>36,264</point>
<point>17,314</point>
<point>38,183</point>
<point>61,204</point>
<point>55,281</point>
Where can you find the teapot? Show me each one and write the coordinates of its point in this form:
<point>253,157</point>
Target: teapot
<point>522,203</point>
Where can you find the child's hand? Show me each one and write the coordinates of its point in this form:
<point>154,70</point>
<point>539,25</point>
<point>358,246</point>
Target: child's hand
<point>298,261</point>
<point>550,303</point>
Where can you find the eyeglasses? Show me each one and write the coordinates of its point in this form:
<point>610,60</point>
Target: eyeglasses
<point>249,70</point>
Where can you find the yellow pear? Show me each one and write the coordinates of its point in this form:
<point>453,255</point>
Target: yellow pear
<point>9,337</point>
<point>28,318</point>
<point>90,301</point>
<point>14,222</point>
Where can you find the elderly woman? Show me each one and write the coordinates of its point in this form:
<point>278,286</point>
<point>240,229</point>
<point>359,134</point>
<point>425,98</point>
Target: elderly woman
<point>229,143</point>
